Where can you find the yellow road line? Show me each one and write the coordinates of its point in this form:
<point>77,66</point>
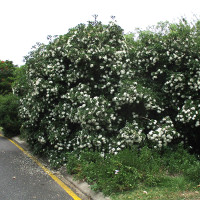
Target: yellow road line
<point>55,178</point>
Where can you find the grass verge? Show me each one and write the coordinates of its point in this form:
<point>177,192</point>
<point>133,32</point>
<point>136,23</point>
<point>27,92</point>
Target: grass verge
<point>140,173</point>
<point>172,188</point>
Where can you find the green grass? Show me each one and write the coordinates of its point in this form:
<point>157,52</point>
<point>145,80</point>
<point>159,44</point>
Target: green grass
<point>141,174</point>
<point>170,188</point>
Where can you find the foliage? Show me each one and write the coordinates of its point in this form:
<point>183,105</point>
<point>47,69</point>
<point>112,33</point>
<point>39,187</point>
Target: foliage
<point>115,173</point>
<point>94,88</point>
<point>133,169</point>
<point>166,59</point>
<point>177,160</point>
<point>9,119</point>
<point>112,106</point>
<point>20,81</point>
<point>6,76</point>
<point>82,94</point>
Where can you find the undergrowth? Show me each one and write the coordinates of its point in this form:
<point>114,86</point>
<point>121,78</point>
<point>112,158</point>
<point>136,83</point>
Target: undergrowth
<point>132,169</point>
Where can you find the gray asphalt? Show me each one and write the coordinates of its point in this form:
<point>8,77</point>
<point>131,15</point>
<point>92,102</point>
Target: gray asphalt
<point>22,179</point>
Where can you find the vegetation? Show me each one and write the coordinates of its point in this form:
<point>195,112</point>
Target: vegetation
<point>166,59</point>
<point>137,170</point>
<point>9,119</point>
<point>175,188</point>
<point>6,76</point>
<point>9,103</point>
<point>113,107</point>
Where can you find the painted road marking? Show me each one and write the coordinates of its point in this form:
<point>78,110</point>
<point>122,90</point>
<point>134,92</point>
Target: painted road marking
<point>55,178</point>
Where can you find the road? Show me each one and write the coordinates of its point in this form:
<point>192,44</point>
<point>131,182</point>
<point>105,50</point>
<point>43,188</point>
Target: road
<point>22,179</point>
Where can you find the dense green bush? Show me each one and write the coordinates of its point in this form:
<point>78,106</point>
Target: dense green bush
<point>177,160</point>
<point>6,76</point>
<point>97,89</point>
<point>80,92</point>
<point>166,60</point>
<point>9,119</point>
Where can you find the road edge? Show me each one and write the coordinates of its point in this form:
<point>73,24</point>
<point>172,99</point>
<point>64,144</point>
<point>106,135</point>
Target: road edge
<point>82,189</point>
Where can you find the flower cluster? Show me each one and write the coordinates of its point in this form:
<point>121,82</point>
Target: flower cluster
<point>190,112</point>
<point>162,133</point>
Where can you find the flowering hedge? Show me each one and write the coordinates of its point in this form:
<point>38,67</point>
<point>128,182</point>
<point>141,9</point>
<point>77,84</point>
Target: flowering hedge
<point>98,89</point>
<point>167,61</point>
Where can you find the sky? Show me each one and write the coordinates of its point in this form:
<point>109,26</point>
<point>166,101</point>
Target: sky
<point>25,22</point>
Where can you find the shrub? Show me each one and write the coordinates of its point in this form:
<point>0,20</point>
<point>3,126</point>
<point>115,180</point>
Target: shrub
<point>9,120</point>
<point>116,173</point>
<point>177,160</point>
<point>83,92</point>
<point>193,172</point>
<point>166,60</point>
<point>132,169</point>
<point>6,76</point>
<point>93,88</point>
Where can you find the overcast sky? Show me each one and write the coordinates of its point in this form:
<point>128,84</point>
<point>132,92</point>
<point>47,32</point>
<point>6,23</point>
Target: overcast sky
<point>25,22</point>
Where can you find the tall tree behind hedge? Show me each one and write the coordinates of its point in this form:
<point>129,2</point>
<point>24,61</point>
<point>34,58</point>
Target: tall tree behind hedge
<point>7,69</point>
<point>9,102</point>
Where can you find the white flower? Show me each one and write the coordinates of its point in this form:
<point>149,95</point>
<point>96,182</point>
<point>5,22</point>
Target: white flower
<point>159,130</point>
<point>154,136</point>
<point>151,132</point>
<point>102,154</point>
<point>122,71</point>
<point>197,124</point>
<point>116,171</point>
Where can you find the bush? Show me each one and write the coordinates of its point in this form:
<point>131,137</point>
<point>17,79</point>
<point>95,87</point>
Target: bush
<point>116,173</point>
<point>166,60</point>
<point>94,88</point>
<point>177,160</point>
<point>69,102</point>
<point>83,93</point>
<point>6,76</point>
<point>131,169</point>
<point>9,120</point>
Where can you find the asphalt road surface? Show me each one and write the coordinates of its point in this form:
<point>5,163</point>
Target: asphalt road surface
<point>22,179</point>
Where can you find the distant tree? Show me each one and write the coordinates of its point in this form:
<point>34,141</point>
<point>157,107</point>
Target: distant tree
<point>7,69</point>
<point>20,83</point>
<point>9,120</point>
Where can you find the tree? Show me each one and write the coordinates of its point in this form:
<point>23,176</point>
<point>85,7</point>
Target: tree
<point>7,69</point>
